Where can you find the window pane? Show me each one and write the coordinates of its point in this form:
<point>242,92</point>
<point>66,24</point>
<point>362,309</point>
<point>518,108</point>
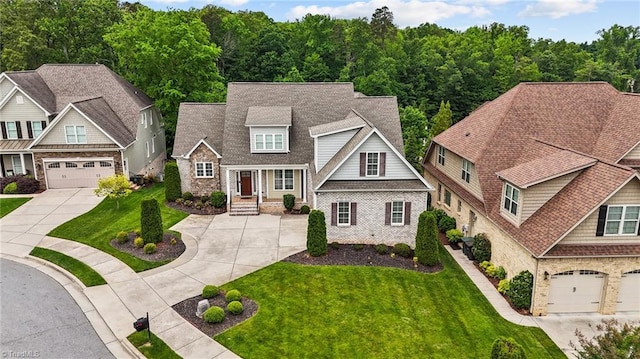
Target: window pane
<point>514,208</point>
<point>612,227</point>
<point>343,212</point>
<point>372,164</point>
<point>288,180</point>
<point>629,227</point>
<point>259,143</point>
<point>516,193</point>
<point>81,134</point>
<point>631,212</point>
<point>397,212</point>
<point>278,145</point>
<point>36,128</point>
<point>268,139</point>
<point>71,134</point>
<point>12,130</point>
<point>277,179</point>
<point>615,213</point>
<point>208,169</point>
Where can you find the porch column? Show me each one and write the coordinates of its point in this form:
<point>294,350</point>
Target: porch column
<point>24,169</point>
<point>304,185</point>
<point>259,186</point>
<point>228,188</point>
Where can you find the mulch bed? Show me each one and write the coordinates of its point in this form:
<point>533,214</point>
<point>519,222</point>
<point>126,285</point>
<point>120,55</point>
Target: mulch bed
<point>495,282</point>
<point>187,310</point>
<point>205,210</point>
<point>164,249</point>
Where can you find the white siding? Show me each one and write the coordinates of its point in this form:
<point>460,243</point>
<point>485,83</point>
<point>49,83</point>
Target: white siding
<point>536,196</point>
<point>27,111</point>
<point>5,87</point>
<point>634,154</point>
<point>330,144</point>
<point>394,169</point>
<point>57,135</point>
<point>253,131</point>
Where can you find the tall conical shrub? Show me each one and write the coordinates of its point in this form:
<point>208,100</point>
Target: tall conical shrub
<point>316,234</point>
<point>427,239</point>
<point>172,184</point>
<point>150,221</point>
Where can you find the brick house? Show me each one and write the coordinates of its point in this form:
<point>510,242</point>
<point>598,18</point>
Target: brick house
<point>68,125</point>
<point>332,148</point>
<point>550,172</point>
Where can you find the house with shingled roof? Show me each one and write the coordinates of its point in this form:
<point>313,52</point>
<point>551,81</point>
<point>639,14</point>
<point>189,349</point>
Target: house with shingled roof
<point>68,125</point>
<point>332,148</point>
<point>549,171</point>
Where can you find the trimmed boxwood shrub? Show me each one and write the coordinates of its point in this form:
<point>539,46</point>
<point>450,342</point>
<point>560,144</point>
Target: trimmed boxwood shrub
<point>218,199</point>
<point>138,242</point>
<point>11,188</point>
<point>232,295</point>
<point>500,273</point>
<point>520,289</point>
<point>172,185</point>
<point>427,239</point>
<point>188,196</point>
<point>316,234</point>
<point>335,245</point>
<point>305,209</point>
<point>122,237</point>
<point>481,247</point>
<point>403,250</point>
<point>507,348</point>
<point>214,314</point>
<point>439,214</point>
<point>235,307</point>
<point>151,221</point>
<point>382,249</point>
<point>289,201</point>
<point>503,286</point>
<point>446,223</point>
<point>26,184</point>
<point>454,235</point>
<point>150,248</point>
<point>210,291</point>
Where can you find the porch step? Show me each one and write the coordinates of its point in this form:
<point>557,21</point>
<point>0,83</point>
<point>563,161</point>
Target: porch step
<point>244,209</point>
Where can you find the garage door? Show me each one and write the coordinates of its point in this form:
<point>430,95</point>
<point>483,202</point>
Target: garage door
<point>77,174</point>
<point>576,291</point>
<point>629,293</point>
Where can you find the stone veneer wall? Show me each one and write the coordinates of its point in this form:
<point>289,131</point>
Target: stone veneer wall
<point>187,169</point>
<point>38,156</point>
<point>370,227</point>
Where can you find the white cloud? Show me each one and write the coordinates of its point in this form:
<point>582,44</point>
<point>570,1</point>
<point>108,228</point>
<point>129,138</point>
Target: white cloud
<point>405,12</point>
<point>556,9</point>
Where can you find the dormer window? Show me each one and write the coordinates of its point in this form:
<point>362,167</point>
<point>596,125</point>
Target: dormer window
<point>510,199</point>
<point>269,128</point>
<point>466,171</point>
<point>441,154</point>
<point>269,141</point>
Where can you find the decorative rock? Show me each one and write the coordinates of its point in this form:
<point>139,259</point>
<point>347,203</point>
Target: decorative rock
<point>203,305</point>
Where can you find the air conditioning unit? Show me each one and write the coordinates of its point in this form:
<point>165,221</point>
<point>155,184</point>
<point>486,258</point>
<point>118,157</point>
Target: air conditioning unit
<point>465,228</point>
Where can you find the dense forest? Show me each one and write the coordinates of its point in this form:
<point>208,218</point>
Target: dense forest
<point>438,75</point>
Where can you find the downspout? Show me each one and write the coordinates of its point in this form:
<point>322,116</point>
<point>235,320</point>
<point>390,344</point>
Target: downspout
<point>533,290</point>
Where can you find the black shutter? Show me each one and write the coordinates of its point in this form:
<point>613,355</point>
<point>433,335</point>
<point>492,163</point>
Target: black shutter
<point>602,220</point>
<point>4,129</point>
<point>387,214</point>
<point>407,213</point>
<point>363,164</point>
<point>29,129</point>
<point>334,214</point>
<point>383,164</point>
<point>44,125</point>
<point>19,129</point>
<point>354,213</point>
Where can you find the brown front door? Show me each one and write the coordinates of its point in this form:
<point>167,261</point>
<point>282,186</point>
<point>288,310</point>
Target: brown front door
<point>245,183</point>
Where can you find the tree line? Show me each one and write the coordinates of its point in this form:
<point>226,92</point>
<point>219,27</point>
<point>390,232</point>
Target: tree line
<point>439,75</point>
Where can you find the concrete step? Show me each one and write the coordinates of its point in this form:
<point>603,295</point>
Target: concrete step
<point>244,209</point>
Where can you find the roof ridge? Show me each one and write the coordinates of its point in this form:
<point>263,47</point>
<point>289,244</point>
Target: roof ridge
<point>599,159</point>
<point>363,118</point>
<point>203,103</point>
<point>90,99</point>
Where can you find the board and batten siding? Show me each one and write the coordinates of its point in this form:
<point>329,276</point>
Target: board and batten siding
<point>25,112</point>
<point>5,87</point>
<point>536,196</point>
<point>57,135</point>
<point>585,232</point>
<point>394,167</point>
<point>330,144</point>
<point>453,169</point>
<point>634,154</point>
<point>270,130</point>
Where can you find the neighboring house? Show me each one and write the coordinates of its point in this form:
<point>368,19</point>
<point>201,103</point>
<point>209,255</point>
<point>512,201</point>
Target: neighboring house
<point>334,149</point>
<point>549,171</point>
<point>68,125</point>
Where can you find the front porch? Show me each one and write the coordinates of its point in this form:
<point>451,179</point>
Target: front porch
<point>19,163</point>
<point>251,206</point>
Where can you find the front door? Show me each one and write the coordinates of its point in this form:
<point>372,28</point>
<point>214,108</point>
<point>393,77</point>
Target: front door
<point>245,183</point>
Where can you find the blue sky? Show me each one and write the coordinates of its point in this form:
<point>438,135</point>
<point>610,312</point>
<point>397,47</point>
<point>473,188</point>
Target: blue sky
<point>573,20</point>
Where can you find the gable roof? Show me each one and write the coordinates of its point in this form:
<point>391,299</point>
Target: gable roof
<point>268,116</point>
<point>199,122</point>
<point>351,122</point>
<point>34,86</point>
<point>568,127</point>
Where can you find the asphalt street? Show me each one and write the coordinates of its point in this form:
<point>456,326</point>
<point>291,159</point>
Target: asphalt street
<point>39,319</point>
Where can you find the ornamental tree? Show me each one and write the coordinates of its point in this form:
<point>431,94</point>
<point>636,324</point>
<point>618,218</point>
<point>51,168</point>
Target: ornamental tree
<point>116,187</point>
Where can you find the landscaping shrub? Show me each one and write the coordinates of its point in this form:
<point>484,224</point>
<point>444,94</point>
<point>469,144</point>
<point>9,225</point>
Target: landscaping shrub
<point>358,247</point>
<point>484,265</point>
<point>491,270</point>
<point>439,213</point>
<point>507,348</point>
<point>232,295</point>
<point>382,249</point>
<point>305,209</point>
<point>403,250</point>
<point>172,185</point>
<point>481,247</point>
<point>210,291</point>
<point>500,273</point>
<point>122,237</point>
<point>205,199</point>
<point>427,239</point>
<point>214,314</point>
<point>188,196</point>
<point>27,184</point>
<point>289,201</point>
<point>138,242</point>
<point>446,223</point>
<point>454,235</point>
<point>151,221</point>
<point>173,241</point>
<point>218,199</point>
<point>316,234</point>
<point>503,286</point>
<point>520,289</point>
<point>11,188</point>
<point>335,245</point>
<point>150,248</point>
<point>235,307</point>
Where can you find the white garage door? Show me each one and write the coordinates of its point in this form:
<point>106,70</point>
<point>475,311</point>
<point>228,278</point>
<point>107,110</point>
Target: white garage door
<point>629,293</point>
<point>575,291</point>
<point>77,174</point>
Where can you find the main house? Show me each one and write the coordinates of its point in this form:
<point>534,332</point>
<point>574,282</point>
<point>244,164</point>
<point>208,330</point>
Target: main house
<point>332,148</point>
<point>549,171</point>
<point>68,125</point>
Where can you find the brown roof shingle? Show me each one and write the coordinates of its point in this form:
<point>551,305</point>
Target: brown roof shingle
<point>197,121</point>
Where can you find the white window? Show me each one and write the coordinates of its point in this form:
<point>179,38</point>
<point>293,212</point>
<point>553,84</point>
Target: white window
<point>466,171</point>
<point>153,145</point>
<point>36,128</point>
<point>89,164</point>
<point>75,134</point>
<point>373,164</point>
<point>283,180</point>
<point>147,146</point>
<point>54,165</point>
<point>344,213</point>
<point>269,142</point>
<point>144,119</point>
<point>259,142</point>
<point>204,169</point>
<point>12,130</point>
<point>441,154</point>
<point>447,198</point>
<point>17,164</point>
<point>150,117</point>
<point>278,144</point>
<point>622,220</point>
<point>105,164</point>
<point>397,213</point>
<point>511,196</point>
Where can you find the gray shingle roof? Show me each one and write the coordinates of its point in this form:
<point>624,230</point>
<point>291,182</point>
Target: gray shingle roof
<point>353,120</point>
<point>269,116</point>
<point>99,111</point>
<point>33,85</point>
<point>197,121</point>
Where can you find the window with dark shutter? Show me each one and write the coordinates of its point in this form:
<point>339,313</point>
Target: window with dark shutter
<point>334,214</point>
<point>383,164</point>
<point>407,213</point>
<point>602,220</point>
<point>29,129</point>
<point>387,214</point>
<point>19,129</point>
<point>4,129</point>
<point>354,213</point>
<point>363,164</point>
<point>44,125</point>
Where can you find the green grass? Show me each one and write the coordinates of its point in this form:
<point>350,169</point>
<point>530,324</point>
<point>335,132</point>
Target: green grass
<point>372,312</point>
<point>7,205</point>
<point>82,271</point>
<point>97,227</point>
<point>157,350</point>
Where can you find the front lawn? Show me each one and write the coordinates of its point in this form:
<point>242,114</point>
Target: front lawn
<point>80,270</point>
<point>156,349</point>
<point>99,226</point>
<point>372,312</point>
<point>7,205</point>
